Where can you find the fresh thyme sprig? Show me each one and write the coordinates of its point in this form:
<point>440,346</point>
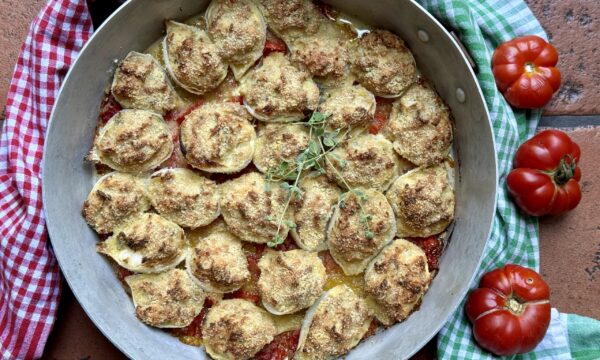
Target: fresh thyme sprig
<point>322,141</point>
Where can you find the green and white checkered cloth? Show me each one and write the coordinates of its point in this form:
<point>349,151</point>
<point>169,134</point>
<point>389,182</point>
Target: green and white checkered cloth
<point>482,25</point>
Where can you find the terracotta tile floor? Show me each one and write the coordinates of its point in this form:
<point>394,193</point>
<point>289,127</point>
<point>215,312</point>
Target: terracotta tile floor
<point>570,244</point>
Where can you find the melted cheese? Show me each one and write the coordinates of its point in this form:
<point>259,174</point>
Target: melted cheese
<point>149,243</point>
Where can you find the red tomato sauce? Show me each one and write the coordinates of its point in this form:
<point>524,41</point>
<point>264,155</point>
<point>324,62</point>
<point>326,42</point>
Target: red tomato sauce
<point>109,108</point>
<point>251,296</point>
<point>287,245</point>
<point>122,273</point>
<point>330,265</point>
<point>383,110</point>
<point>282,347</point>
<point>433,247</point>
<point>274,44</point>
<point>195,328</point>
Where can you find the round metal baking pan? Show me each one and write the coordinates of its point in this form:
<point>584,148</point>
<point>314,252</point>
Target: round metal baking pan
<point>67,178</point>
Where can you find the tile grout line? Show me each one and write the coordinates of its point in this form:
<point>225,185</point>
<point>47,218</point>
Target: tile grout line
<point>569,121</point>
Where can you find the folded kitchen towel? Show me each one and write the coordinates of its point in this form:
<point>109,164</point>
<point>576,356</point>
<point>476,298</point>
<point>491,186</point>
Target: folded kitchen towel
<point>482,25</point>
<point>29,275</point>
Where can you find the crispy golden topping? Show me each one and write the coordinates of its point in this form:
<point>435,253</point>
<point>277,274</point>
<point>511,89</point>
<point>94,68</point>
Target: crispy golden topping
<point>290,281</point>
<point>278,91</point>
<point>218,262</point>
<point>218,138</point>
<point>238,29</point>
<point>277,143</point>
<point>361,225</point>
<point>313,210</point>
<point>340,321</point>
<point>236,330</point>
<point>348,106</point>
<point>148,243</point>
<point>291,17</point>
<point>192,58</point>
<point>184,197</point>
<point>398,278</point>
<point>114,200</point>
<point>166,300</point>
<point>251,208</point>
<point>140,83</point>
<point>365,160</point>
<point>324,54</point>
<point>383,64</point>
<point>133,141</point>
<point>423,201</point>
<point>420,126</point>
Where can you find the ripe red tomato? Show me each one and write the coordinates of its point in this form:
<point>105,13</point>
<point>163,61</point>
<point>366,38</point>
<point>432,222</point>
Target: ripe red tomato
<point>546,177</point>
<point>510,311</point>
<point>525,72</point>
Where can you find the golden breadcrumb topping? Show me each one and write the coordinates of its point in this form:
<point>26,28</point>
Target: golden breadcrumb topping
<point>290,281</point>
<point>114,200</point>
<point>166,300</point>
<point>192,58</point>
<point>277,143</point>
<point>365,160</point>
<point>141,83</point>
<point>219,263</point>
<point>278,91</point>
<point>218,138</point>
<point>291,17</point>
<point>340,321</point>
<point>237,28</point>
<point>148,243</point>
<point>325,53</point>
<point>236,330</point>
<point>423,201</point>
<point>348,106</point>
<point>420,126</point>
<point>184,197</point>
<point>383,64</point>
<point>362,224</point>
<point>313,210</point>
<point>133,141</point>
<point>398,278</point>
<point>251,208</point>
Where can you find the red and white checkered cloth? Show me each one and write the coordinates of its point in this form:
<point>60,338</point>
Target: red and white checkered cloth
<point>30,280</point>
